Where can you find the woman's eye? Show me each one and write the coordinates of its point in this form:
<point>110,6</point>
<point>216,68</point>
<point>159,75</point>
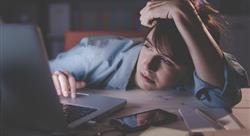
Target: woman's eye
<point>166,61</point>
<point>148,47</point>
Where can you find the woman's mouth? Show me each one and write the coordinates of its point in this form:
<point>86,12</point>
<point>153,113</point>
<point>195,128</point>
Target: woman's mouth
<point>147,79</point>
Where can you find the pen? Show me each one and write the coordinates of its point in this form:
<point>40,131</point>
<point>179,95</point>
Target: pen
<point>82,93</point>
<point>218,124</point>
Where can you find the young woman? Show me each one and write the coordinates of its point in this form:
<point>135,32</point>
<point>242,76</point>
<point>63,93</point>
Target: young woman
<point>180,51</point>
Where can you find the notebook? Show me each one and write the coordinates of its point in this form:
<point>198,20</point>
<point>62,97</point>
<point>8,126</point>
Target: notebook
<point>28,95</point>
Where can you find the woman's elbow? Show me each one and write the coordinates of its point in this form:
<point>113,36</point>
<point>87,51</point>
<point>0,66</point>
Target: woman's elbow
<point>220,101</point>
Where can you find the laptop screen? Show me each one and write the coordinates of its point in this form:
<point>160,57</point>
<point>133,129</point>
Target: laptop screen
<point>27,91</point>
<point>28,94</point>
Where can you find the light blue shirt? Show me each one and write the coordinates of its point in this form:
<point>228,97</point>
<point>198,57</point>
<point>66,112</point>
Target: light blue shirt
<point>107,62</point>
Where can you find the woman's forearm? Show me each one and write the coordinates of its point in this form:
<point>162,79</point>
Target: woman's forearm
<point>205,52</point>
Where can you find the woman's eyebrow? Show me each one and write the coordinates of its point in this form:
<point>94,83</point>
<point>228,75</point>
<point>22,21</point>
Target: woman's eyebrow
<point>166,56</point>
<point>170,59</point>
<point>161,54</point>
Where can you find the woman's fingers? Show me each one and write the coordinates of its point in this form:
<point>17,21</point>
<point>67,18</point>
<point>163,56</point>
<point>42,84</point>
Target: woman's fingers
<point>158,9</point>
<point>72,84</point>
<point>80,84</point>
<point>146,14</point>
<point>56,83</point>
<point>146,19</point>
<point>64,84</point>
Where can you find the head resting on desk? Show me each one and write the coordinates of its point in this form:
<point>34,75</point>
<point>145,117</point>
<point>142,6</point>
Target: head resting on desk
<point>165,61</point>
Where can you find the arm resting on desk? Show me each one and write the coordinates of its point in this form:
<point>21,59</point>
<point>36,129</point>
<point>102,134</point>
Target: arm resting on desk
<point>228,96</point>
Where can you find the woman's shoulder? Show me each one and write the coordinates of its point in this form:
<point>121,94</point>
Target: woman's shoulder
<point>232,62</point>
<point>108,41</point>
<point>107,46</point>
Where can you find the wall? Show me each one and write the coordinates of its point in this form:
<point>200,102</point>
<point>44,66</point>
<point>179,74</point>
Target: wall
<point>237,39</point>
<point>58,16</point>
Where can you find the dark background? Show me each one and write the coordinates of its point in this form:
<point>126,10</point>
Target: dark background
<point>55,17</point>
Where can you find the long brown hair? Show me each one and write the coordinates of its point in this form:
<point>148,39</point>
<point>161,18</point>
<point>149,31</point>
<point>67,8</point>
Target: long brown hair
<point>210,17</point>
<point>167,38</point>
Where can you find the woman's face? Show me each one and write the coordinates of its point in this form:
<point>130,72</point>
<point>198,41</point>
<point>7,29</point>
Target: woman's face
<point>156,71</point>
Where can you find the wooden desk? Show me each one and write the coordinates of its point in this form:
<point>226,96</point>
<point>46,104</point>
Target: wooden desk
<point>172,101</point>
<point>242,110</point>
<point>139,100</point>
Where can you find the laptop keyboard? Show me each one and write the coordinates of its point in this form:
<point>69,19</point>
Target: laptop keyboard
<point>72,113</point>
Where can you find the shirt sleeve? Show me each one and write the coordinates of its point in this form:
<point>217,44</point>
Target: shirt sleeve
<point>74,60</point>
<point>97,60</point>
<point>235,78</point>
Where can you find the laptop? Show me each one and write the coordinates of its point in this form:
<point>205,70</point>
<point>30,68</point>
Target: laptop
<point>28,95</point>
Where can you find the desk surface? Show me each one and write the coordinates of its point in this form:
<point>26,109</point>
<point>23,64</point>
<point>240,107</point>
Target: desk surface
<point>242,109</point>
<point>173,101</point>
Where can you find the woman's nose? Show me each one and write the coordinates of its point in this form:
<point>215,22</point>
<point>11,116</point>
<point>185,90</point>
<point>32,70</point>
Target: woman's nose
<point>153,63</point>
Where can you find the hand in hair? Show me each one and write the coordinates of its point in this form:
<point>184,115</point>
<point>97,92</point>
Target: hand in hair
<point>192,18</point>
<point>161,10</point>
